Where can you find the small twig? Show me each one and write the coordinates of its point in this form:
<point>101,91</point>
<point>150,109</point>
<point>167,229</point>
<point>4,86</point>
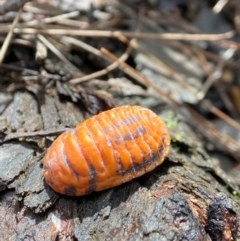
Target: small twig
<point>83,45</point>
<point>18,41</point>
<point>210,107</point>
<point>37,10</point>
<point>18,135</point>
<point>57,53</point>
<point>127,69</point>
<point>168,70</point>
<point>116,34</point>
<point>215,75</point>
<point>98,53</point>
<point>212,78</point>
<point>219,6</point>
<point>74,23</point>
<point>213,134</point>
<point>216,58</point>
<point>17,68</point>
<point>9,37</point>
<point>50,19</point>
<point>143,80</point>
<point>228,44</point>
<point>221,90</point>
<point>97,74</point>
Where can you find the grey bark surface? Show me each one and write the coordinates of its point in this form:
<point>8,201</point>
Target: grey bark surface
<point>188,197</point>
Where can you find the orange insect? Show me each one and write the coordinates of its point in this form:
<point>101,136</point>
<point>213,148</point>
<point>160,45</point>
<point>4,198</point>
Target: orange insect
<point>106,150</point>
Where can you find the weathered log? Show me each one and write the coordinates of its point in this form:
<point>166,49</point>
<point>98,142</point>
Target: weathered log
<point>188,197</point>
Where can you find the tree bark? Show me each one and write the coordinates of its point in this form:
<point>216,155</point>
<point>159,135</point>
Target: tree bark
<point>188,197</point>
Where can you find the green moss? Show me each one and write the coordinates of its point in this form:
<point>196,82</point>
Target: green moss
<point>178,137</point>
<point>172,122</point>
<point>234,193</point>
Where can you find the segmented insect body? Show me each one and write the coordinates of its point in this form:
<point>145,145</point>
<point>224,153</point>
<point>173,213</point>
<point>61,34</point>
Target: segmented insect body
<point>106,150</point>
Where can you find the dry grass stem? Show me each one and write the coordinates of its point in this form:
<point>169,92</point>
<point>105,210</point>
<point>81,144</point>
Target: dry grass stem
<point>7,41</point>
<point>57,52</point>
<point>98,53</point>
<point>49,19</point>
<point>116,34</point>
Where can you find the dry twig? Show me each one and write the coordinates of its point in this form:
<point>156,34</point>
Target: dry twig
<point>9,37</point>
<point>117,34</point>
<point>98,53</point>
<point>58,53</point>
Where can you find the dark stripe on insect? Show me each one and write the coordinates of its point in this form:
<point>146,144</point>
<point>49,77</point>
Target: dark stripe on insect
<point>130,120</point>
<point>92,174</point>
<point>71,191</point>
<point>121,117</point>
<point>145,162</point>
<point>116,154</point>
<point>145,122</point>
<point>143,132</point>
<point>93,180</point>
<point>126,121</point>
<point>140,131</point>
<point>68,163</point>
